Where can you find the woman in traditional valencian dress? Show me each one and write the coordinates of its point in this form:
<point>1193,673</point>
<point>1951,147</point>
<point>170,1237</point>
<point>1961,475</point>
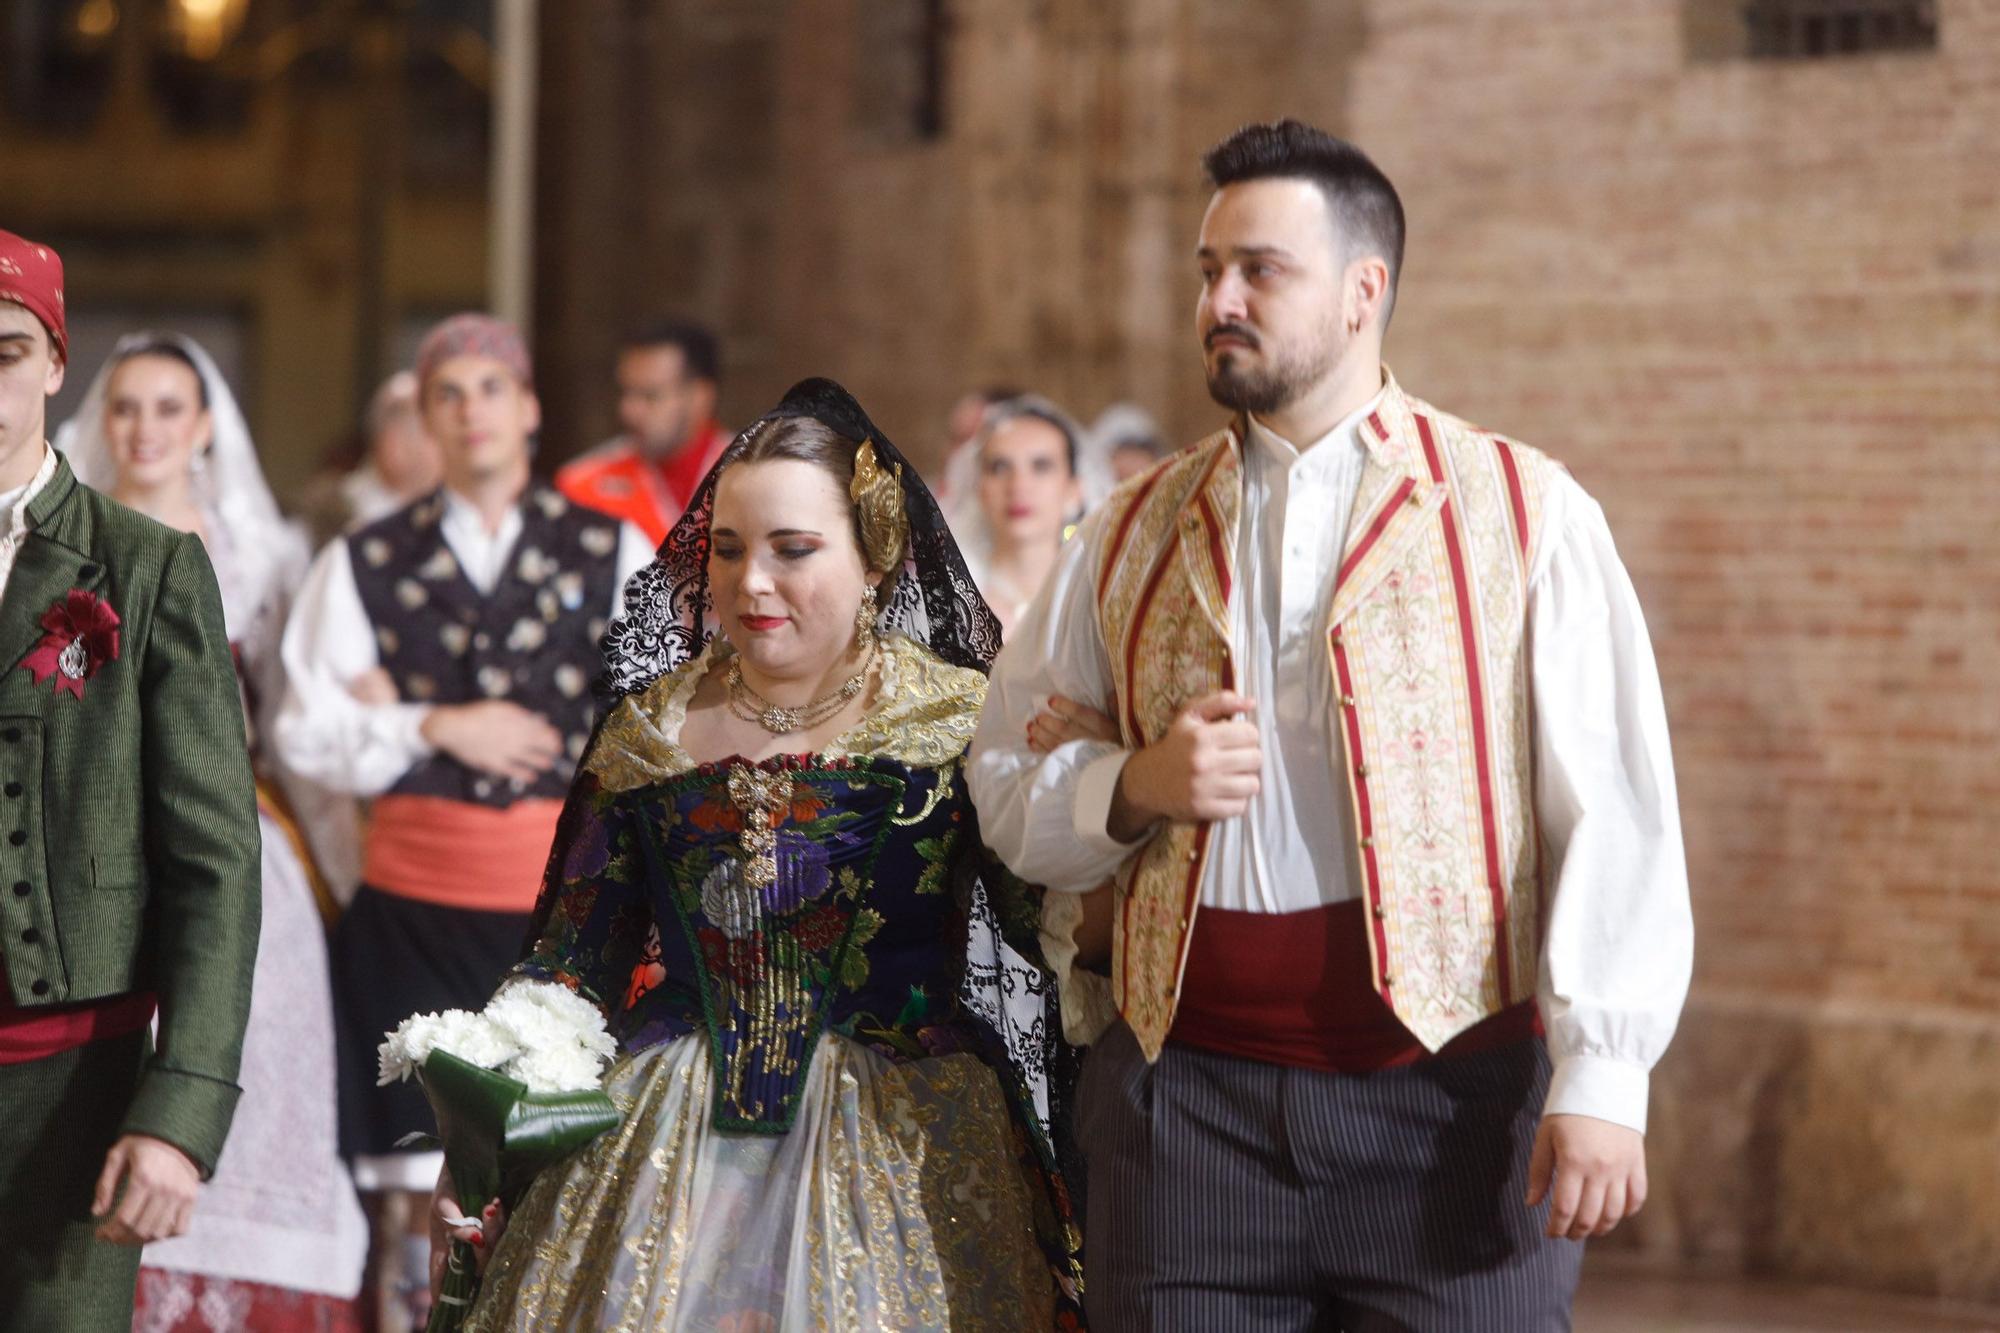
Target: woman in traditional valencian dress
<point>1028,496</point>
<point>278,1239</point>
<point>838,1064</point>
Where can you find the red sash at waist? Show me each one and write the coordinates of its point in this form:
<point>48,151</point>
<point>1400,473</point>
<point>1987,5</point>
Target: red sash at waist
<point>1294,988</point>
<point>37,1033</point>
<point>456,854</point>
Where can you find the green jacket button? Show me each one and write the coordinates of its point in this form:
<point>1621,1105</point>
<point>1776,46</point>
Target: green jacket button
<point>40,988</point>
<point>22,888</point>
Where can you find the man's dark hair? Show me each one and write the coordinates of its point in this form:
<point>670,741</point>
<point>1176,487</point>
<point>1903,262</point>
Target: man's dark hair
<point>696,343</point>
<point>1365,207</point>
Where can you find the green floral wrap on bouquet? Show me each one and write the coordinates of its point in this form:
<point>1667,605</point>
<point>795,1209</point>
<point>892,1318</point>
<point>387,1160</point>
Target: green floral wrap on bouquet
<point>496,1136</point>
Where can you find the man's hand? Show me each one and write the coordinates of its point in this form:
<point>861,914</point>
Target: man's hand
<point>1206,767</point>
<point>160,1186</point>
<point>374,687</point>
<point>1065,720</point>
<point>497,736</point>
<point>1598,1170</point>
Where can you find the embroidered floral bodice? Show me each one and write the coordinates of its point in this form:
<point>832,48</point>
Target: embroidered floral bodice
<point>763,904</point>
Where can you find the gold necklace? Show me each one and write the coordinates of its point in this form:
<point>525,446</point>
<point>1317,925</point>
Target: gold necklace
<point>751,706</point>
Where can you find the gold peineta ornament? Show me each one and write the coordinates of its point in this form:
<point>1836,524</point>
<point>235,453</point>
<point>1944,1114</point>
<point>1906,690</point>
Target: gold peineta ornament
<point>878,501</point>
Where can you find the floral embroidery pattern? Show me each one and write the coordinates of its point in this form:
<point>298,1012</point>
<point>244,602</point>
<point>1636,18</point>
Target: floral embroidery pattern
<point>1168,650</point>
<point>862,930</point>
<point>1396,623</point>
<point>442,638</point>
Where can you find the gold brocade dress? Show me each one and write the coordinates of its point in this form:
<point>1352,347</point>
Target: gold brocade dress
<point>818,1134</point>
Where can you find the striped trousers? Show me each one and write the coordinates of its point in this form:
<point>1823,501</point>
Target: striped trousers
<point>1229,1194</point>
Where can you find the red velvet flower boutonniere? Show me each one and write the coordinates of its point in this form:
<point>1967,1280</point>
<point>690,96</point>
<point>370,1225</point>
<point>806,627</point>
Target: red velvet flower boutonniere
<point>81,635</point>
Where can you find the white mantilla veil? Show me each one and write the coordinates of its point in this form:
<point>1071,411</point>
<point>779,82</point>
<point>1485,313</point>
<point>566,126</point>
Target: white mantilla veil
<point>1117,425</point>
<point>967,517</point>
<point>259,561</point>
<point>264,553</point>
<point>283,1140</point>
<point>283,1137</point>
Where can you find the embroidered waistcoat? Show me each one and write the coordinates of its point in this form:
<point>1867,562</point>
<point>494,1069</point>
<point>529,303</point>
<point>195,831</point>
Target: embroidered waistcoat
<point>533,640</point>
<point>1427,643</point>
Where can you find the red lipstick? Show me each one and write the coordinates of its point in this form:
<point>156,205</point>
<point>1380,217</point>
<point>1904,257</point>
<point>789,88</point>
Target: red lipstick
<point>759,624</point>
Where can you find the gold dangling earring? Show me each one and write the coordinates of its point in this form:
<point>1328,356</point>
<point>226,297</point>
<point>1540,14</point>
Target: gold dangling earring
<point>864,621</point>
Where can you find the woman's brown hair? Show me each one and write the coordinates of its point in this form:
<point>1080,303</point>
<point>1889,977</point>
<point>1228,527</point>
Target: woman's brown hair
<point>807,440</point>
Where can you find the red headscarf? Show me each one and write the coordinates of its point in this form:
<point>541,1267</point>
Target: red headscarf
<point>474,335</point>
<point>32,275</point>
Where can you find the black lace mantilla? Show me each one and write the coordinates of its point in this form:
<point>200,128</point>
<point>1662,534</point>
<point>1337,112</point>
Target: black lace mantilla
<point>669,615</point>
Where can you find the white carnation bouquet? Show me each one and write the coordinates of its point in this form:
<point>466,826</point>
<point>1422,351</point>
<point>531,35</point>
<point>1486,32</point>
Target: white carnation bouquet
<point>545,1036</point>
<point>514,1087</point>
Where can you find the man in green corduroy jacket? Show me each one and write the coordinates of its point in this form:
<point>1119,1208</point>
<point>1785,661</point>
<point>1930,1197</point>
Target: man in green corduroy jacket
<point>129,880</point>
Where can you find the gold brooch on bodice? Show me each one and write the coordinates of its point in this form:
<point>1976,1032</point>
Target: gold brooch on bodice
<point>762,798</point>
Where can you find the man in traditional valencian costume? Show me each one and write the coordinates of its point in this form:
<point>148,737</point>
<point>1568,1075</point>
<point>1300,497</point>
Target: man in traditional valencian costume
<point>1386,797</point>
<point>129,858</point>
<point>668,379</point>
<point>440,661</point>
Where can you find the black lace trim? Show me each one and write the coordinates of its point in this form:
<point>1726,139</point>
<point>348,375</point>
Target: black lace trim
<point>669,616</point>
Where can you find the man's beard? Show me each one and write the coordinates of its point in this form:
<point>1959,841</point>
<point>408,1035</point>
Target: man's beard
<point>1276,386</point>
<point>661,448</point>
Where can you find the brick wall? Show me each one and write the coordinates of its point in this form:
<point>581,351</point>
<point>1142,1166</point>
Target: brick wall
<point>737,160</point>
<point>1755,307</point>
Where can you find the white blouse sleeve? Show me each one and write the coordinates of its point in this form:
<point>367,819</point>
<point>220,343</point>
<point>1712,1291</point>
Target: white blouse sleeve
<point>1620,941</point>
<point>1045,815</point>
<point>324,733</point>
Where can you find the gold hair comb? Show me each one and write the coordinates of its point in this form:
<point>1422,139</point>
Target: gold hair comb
<point>878,499</point>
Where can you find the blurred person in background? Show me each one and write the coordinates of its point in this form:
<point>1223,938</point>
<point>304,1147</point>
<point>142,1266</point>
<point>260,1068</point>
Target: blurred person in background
<point>399,463</point>
<point>403,462</point>
<point>277,1239</point>
<point>957,468</point>
<point>1123,442</point>
<point>440,660</point>
<point>668,380</point>
<point>1025,502</point>
<point>963,423</point>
